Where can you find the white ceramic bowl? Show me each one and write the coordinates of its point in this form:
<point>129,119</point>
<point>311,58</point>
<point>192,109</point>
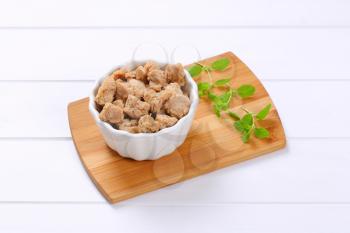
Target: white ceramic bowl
<point>146,146</point>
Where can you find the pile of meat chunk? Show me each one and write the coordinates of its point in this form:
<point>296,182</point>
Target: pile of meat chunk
<point>144,100</point>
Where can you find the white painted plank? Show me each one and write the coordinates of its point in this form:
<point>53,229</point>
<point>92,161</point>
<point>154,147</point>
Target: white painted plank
<point>43,171</point>
<point>87,54</point>
<point>84,13</point>
<point>39,109</point>
<point>127,219</point>
<point>308,171</point>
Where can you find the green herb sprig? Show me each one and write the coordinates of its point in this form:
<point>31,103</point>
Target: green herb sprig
<point>218,65</point>
<point>220,102</point>
<point>246,125</point>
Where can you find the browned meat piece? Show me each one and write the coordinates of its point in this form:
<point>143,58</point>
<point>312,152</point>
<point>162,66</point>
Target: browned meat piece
<point>148,94</point>
<point>150,65</point>
<point>165,120</point>
<point>106,92</point>
<point>175,73</point>
<point>119,103</point>
<point>156,79</point>
<point>119,73</point>
<point>148,125</point>
<point>155,86</point>
<point>136,87</point>
<point>129,125</point>
<point>165,95</point>
<point>156,99</point>
<point>177,106</point>
<point>122,89</point>
<point>130,74</point>
<point>141,74</point>
<point>131,87</point>
<point>112,113</point>
<point>174,89</point>
<point>136,108</point>
<point>156,103</point>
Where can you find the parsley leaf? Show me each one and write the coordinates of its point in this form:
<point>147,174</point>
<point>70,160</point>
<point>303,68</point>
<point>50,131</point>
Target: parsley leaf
<point>238,125</point>
<point>220,64</point>
<point>246,136</point>
<point>261,133</point>
<point>195,70</point>
<point>226,97</point>
<point>233,115</point>
<point>246,90</point>
<point>264,112</point>
<point>217,110</point>
<point>203,88</point>
<point>213,97</point>
<point>222,82</point>
<point>247,119</point>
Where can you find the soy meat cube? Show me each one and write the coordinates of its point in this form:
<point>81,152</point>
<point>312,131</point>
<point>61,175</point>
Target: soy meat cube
<point>119,103</point>
<point>141,74</point>
<point>174,89</point>
<point>136,87</point>
<point>148,94</point>
<point>156,99</point>
<point>130,74</point>
<point>165,120</point>
<point>148,125</point>
<point>175,73</point>
<point>122,89</point>
<point>136,108</point>
<point>129,125</point>
<point>119,73</point>
<point>156,79</point>
<point>112,113</point>
<point>106,92</point>
<point>150,65</point>
<point>177,106</point>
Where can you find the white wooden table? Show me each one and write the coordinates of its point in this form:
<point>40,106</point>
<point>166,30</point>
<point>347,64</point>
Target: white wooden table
<point>51,51</point>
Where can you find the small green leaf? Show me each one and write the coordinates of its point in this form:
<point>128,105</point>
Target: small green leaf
<point>203,88</point>
<point>195,70</point>
<point>213,97</point>
<point>246,90</point>
<point>220,64</point>
<point>217,110</point>
<point>238,125</point>
<point>222,105</point>
<point>261,133</point>
<point>222,82</point>
<point>247,119</point>
<point>233,116</point>
<point>246,136</point>
<point>264,112</point>
<point>201,93</point>
<point>226,97</point>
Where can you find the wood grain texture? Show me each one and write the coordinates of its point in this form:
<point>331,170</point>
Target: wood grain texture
<point>211,144</point>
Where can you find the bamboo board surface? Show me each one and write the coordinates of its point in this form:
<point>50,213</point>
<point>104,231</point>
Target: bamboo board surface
<point>211,144</point>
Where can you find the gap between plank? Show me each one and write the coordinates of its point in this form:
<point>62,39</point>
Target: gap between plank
<point>165,204</point>
<point>190,27</point>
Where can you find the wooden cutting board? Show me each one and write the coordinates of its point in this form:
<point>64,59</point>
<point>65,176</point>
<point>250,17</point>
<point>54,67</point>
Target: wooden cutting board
<point>211,144</point>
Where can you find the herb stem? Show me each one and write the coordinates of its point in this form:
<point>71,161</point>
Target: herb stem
<point>244,109</point>
<point>200,64</point>
<point>206,68</point>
